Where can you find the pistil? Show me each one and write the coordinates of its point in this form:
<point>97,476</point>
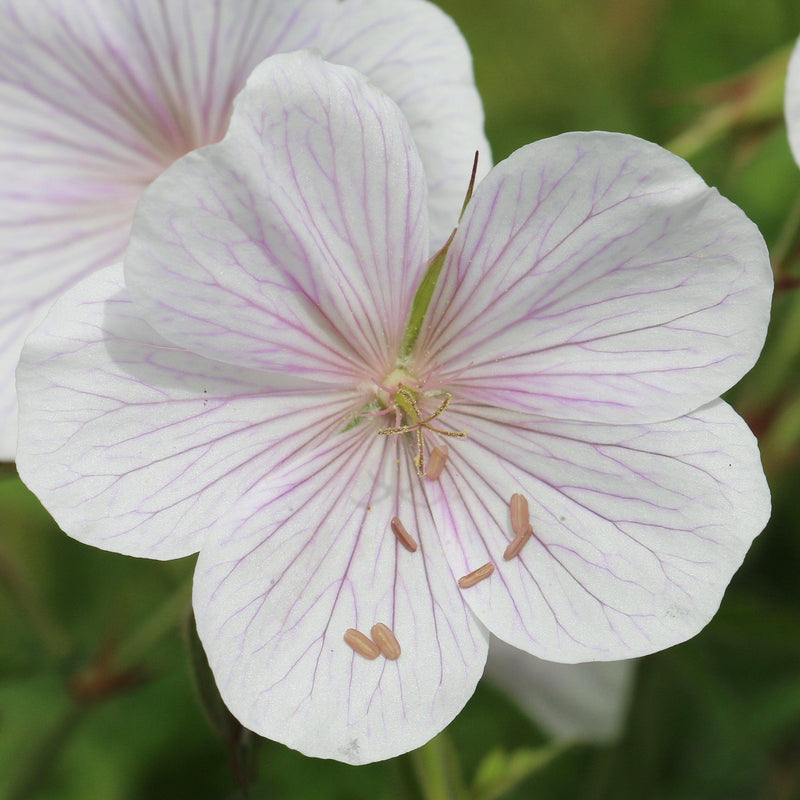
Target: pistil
<point>405,401</point>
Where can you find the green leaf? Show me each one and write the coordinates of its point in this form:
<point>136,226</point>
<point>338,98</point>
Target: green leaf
<point>499,772</point>
<point>422,299</point>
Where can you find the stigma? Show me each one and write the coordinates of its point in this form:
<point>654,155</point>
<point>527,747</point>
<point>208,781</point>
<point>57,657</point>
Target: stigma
<point>409,418</point>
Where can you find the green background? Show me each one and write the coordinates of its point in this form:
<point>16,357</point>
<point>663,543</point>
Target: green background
<point>717,717</point>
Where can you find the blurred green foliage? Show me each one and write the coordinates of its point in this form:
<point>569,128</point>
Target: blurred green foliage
<point>96,699</point>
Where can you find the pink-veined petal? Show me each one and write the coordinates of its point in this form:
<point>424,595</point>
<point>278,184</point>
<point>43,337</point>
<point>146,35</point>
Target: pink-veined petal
<point>135,445</point>
<point>297,243</point>
<point>416,54</point>
<point>596,277</point>
<point>115,90</point>
<point>311,555</point>
<point>576,702</point>
<point>97,98</point>
<point>637,529</point>
<point>30,285</point>
<point>792,102</point>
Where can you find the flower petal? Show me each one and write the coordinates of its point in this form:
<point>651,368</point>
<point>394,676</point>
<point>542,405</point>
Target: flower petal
<point>581,702</point>
<point>416,54</point>
<point>100,96</point>
<point>309,555</point>
<point>297,243</point>
<point>792,102</point>
<point>97,98</point>
<point>637,529</point>
<point>134,445</point>
<point>596,277</point>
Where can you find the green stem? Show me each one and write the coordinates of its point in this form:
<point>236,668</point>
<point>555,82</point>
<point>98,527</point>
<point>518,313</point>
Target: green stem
<point>165,619</point>
<point>54,641</point>
<point>753,98</point>
<point>437,769</point>
<point>37,766</point>
<point>786,239</point>
<point>710,126</point>
<point>776,365</point>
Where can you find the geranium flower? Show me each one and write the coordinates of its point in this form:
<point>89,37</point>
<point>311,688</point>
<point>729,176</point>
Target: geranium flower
<point>792,102</point>
<point>278,365</point>
<point>98,97</point>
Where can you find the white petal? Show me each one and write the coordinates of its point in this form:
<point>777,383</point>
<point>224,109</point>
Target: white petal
<point>134,445</point>
<point>596,277</point>
<point>792,102</point>
<point>298,242</point>
<point>637,529</point>
<point>577,702</point>
<point>311,554</point>
<point>97,98</point>
<point>416,54</point>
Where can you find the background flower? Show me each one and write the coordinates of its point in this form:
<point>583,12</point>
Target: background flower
<point>97,98</point>
<point>792,103</point>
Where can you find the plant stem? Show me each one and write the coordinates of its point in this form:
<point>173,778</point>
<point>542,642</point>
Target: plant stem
<point>782,249</point>
<point>22,593</point>
<point>753,98</point>
<point>155,627</point>
<point>437,770</point>
<point>35,769</point>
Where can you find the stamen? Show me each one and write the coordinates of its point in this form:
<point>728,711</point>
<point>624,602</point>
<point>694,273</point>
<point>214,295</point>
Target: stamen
<point>361,643</point>
<point>520,540</point>
<point>446,402</point>
<point>476,576</point>
<point>436,464</point>
<point>419,460</point>
<point>452,434</point>
<point>403,535</point>
<point>520,518</point>
<point>386,641</point>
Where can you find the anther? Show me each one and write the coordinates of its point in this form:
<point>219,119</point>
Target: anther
<point>362,644</point>
<point>476,576</point>
<point>520,540</point>
<point>386,641</point>
<point>403,535</point>
<point>520,518</point>
<point>436,463</point>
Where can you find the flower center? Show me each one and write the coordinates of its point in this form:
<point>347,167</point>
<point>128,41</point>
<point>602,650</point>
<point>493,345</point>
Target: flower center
<point>409,417</point>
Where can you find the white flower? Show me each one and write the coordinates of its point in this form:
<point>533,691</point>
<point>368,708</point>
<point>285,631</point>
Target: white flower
<point>277,367</point>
